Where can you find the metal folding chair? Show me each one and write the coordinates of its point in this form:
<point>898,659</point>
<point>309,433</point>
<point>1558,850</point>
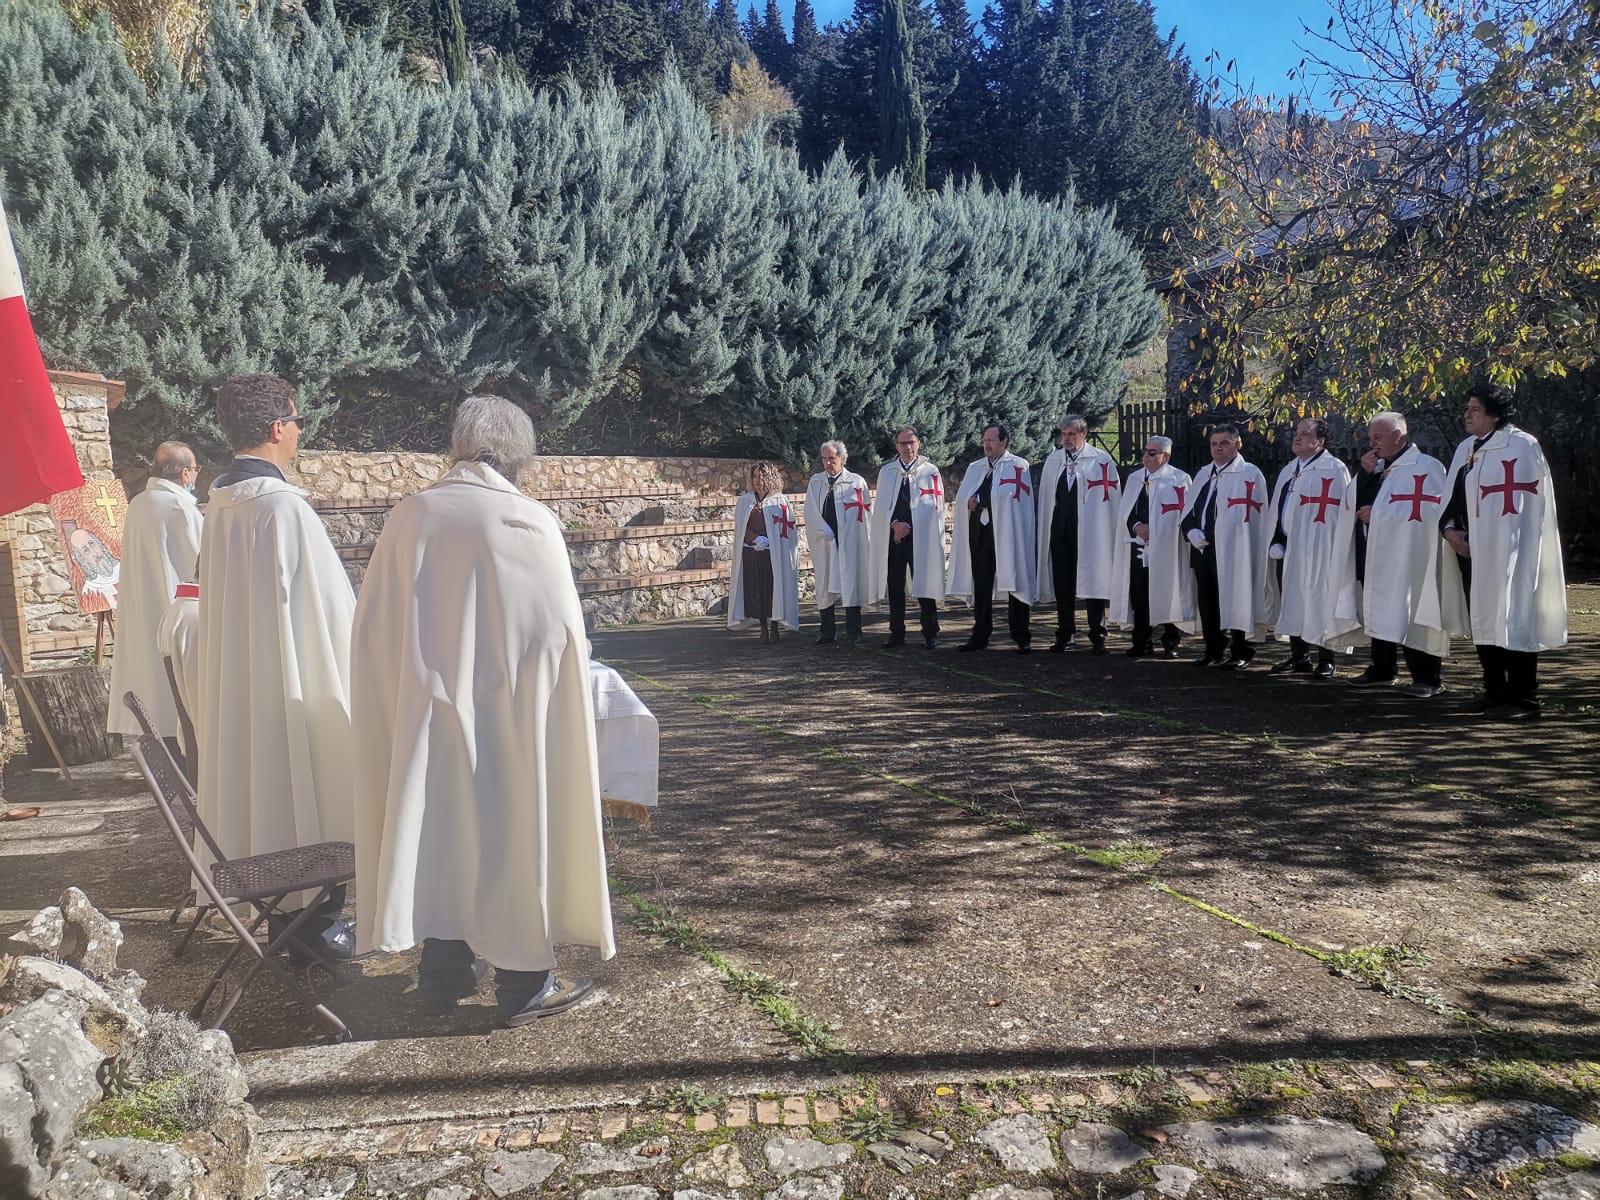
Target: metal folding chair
<point>263,881</point>
<point>188,815</point>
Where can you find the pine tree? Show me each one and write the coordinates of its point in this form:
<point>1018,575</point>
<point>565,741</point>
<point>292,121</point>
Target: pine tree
<point>903,128</point>
<point>770,43</point>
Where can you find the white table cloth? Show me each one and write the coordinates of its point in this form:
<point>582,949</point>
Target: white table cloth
<point>629,740</point>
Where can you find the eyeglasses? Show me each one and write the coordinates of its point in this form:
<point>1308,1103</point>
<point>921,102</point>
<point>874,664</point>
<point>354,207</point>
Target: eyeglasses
<point>297,418</point>
<point>1149,451</point>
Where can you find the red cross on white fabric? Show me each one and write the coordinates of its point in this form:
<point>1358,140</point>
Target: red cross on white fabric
<point>936,491</point>
<point>1177,505</point>
<point>1018,484</point>
<point>1323,502</point>
<point>1508,489</point>
<point>784,522</point>
<point>1107,481</point>
<point>859,504</point>
<point>1251,504</point>
<point>1416,499</point>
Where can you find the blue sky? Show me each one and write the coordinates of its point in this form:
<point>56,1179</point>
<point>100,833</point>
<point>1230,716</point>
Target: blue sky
<point>1259,35</point>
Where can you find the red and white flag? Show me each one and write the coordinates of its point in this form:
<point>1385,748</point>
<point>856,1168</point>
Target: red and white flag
<point>36,455</point>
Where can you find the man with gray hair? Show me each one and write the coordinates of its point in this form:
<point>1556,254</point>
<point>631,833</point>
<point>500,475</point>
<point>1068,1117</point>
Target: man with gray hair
<point>1151,583</point>
<point>1080,492</point>
<point>160,549</point>
<point>838,512</point>
<point>478,826</point>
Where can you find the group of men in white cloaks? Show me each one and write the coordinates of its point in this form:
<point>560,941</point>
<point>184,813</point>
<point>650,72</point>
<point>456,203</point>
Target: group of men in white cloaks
<point>1401,557</point>
<point>443,723</point>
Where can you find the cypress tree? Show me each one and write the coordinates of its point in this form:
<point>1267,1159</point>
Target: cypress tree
<point>903,128</point>
<point>452,40</point>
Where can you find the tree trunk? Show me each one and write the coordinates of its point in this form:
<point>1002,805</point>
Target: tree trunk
<point>73,702</point>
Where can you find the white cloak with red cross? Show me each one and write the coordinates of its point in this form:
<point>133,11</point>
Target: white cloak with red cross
<point>1011,508</point>
<point>1096,493</point>
<point>927,529</point>
<point>1308,503</point>
<point>783,542</point>
<point>1166,553</point>
<point>1399,602</point>
<point>842,568</point>
<point>1519,591</point>
<point>1241,541</point>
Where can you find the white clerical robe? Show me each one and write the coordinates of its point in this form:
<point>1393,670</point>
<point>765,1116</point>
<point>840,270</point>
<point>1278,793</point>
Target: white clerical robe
<point>1239,499</point>
<point>476,771</point>
<point>273,715</point>
<point>160,544</point>
<point>1166,554</point>
<point>1012,511</point>
<point>1519,590</point>
<point>927,529</point>
<point>841,566</point>
<point>1305,508</point>
<point>1399,599</point>
<point>1096,490</point>
<point>178,639</point>
<point>783,543</point>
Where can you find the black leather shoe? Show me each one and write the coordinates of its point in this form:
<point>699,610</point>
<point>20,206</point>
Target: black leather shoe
<point>856,640</point>
<point>1367,679</point>
<point>967,647</point>
<point>1482,704</point>
<point>1424,691</point>
<point>1324,670</point>
<point>896,640</point>
<point>1097,647</point>
<point>1291,666</point>
<point>1168,652</point>
<point>1025,648</point>
<point>1514,712</point>
<point>931,643</point>
<point>1208,660</point>
<point>1138,651</point>
<point>1231,663</point>
<point>1066,645</point>
<point>825,641</point>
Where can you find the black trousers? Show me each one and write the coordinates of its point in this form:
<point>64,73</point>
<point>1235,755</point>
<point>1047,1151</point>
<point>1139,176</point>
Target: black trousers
<point>1424,667</point>
<point>1064,575</point>
<point>903,562</point>
<point>1139,601</point>
<point>852,622</point>
<point>445,972</point>
<point>1219,641</point>
<point>1509,676</point>
<point>983,571</point>
<point>1299,648</point>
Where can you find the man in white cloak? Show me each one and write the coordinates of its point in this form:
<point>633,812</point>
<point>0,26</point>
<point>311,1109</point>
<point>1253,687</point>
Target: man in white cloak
<point>994,553</point>
<point>1227,530</point>
<point>763,582</point>
<point>839,531</point>
<point>908,539</point>
<point>178,643</point>
<point>273,715</point>
<point>1502,579</point>
<point>1080,492</point>
<point>1304,577</point>
<point>160,546</point>
<point>1151,583</point>
<point>1397,599</point>
<point>478,827</point>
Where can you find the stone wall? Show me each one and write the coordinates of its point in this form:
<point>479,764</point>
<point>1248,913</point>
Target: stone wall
<point>39,586</point>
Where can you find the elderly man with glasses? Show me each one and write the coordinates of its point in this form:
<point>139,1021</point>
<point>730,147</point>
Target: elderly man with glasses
<point>1151,583</point>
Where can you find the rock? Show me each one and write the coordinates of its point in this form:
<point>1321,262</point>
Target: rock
<point>787,1156</point>
<point>827,1186</point>
<point>290,1183</point>
<point>597,1159</point>
<point>405,1174</point>
<point>452,1191</point>
<point>1097,1149</point>
<point>150,1169</point>
<point>32,977</point>
<point>80,1179</point>
<point>58,1067</point>
<point>632,1191</point>
<point>1010,1191</point>
<point>511,1171</point>
<point>910,1150</point>
<point>90,939</point>
<point>21,1172</point>
<point>1291,1152</point>
<point>217,1049</point>
<point>723,1164</point>
<point>695,1194</point>
<point>1467,1140</point>
<point>40,936</point>
<point>227,1150</point>
<point>1019,1143</point>
<point>1175,1182</point>
<point>1582,1185</point>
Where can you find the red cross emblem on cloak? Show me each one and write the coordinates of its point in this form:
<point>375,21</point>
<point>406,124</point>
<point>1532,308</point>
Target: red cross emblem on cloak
<point>1106,481</point>
<point>936,491</point>
<point>1018,484</point>
<point>859,504</point>
<point>784,522</point>
<point>1323,502</point>
<point>1416,499</point>
<point>1508,489</point>
<point>1177,504</point>
<point>1251,504</point>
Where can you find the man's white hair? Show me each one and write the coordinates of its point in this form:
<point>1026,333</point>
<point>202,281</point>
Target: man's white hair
<point>493,431</point>
<point>837,447</point>
<point>1075,421</point>
<point>1163,444</point>
<point>1394,419</point>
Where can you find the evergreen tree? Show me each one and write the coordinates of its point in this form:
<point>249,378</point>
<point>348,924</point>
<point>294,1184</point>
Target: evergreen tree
<point>770,43</point>
<point>903,129</point>
<point>956,126</point>
<point>452,37</point>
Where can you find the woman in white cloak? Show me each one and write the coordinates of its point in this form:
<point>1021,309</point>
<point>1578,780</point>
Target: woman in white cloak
<point>763,586</point>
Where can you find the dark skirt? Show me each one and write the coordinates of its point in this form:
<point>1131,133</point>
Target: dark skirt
<point>757,576</point>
